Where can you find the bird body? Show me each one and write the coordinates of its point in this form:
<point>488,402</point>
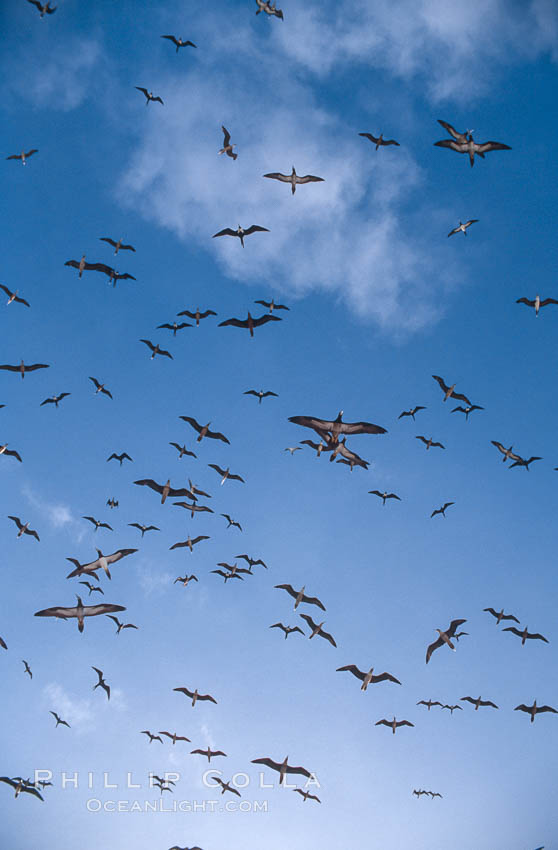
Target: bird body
<point>299,596</point>
<point>367,678</point>
<point>195,696</point>
<point>444,638</point>
<point>379,140</point>
<point>464,143</point>
<point>462,228</point>
<point>227,147</point>
<point>535,709</point>
<point>240,232</point>
<point>393,724</point>
<point>79,611</point>
<point>149,95</point>
<point>250,322</point>
<point>294,179</point>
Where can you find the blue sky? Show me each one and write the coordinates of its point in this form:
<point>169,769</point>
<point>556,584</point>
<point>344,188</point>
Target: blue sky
<point>380,300</point>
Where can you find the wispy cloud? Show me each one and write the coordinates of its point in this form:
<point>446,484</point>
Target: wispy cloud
<point>152,581</point>
<point>58,515</point>
<point>79,713</point>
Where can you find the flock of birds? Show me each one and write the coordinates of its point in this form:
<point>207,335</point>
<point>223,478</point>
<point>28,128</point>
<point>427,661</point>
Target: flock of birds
<point>331,439</point>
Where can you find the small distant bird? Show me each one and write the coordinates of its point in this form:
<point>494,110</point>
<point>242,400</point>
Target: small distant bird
<point>442,510</point>
<point>119,625</point>
<point>195,696</point>
<point>97,523</point>
<point>55,399</point>
<point>306,795</point>
<point>113,275</point>
<point>462,228</point>
<point>444,638</point>
<point>501,616</point>
<point>269,8</point>
<point>393,724</point>
<point>508,453</point>
<point>203,430</point>
<point>271,305</point>
<point>452,708</point>
<point>383,496</point>
<point>252,562</point>
<point>119,245</point>
<point>299,596</point>
<point>189,542</point>
<point>3,643</point>
<point>79,611</point>
<point>91,587</point>
<point>250,323</point>
<point>234,574</point>
<point>23,527</point>
<point>18,783</point>
<point>449,392</point>
<point>197,315</point>
<point>467,410</point>
<point>151,736</point>
<point>149,95</point>
<point>430,443</point>
<point>226,786</point>
<point>525,634</point>
<point>112,503</point>
<point>226,474</point>
<point>22,368</point>
<point>175,326</point>
<point>59,721</point>
<point>240,232</point>
<point>193,508</point>
<point>286,629</point>
<point>261,394</point>
<point>155,349</point>
<point>4,450</point>
<point>27,668</point>
<point>143,528</point>
<point>180,42</point>
<point>227,147</point>
<point>120,458</point>
<point>535,709</point>
<point>379,140</point>
<point>368,678</point>
<point>429,703</point>
<point>318,447</point>
<point>231,522</point>
<point>101,683</point>
<point>522,462</point>
<point>100,388</point>
<point>23,156</point>
<point>185,580</point>
<point>316,629</point>
<point>294,179</point>
<point>182,450</point>
<point>464,143</point>
<point>292,449</point>
<point>81,265</point>
<point>165,490</point>
<point>44,9</point>
<point>537,303</point>
<point>13,296</point>
<point>412,411</point>
<point>283,768</point>
<point>209,753</point>
<point>174,738</point>
<point>479,702</point>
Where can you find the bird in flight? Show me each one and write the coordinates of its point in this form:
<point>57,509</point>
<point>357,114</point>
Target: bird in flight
<point>195,696</point>
<point>294,179</point>
<point>22,368</point>
<point>336,427</point>
<point>197,315</point>
<point>23,527</point>
<point>479,702</point>
<point>79,611</point>
<point>180,42</point>
<point>452,708</point>
<point>209,753</point>
<point>299,596</point>
<point>464,143</point>
<point>508,453</point>
<point>241,232</point>
<point>118,246</point>
<point>232,522</point>
<point>225,474</point>
<point>174,738</point>
<point>97,523</point>
<point>101,683</point>
<point>384,495</point>
<point>164,489</point>
<point>112,503</point>
<point>149,95</point>
<point>250,323</point>
<point>525,634</point>
<point>283,768</point>
<point>271,305</point>
<point>203,430</point>
<point>260,394</point>
<point>182,450</point>
<point>537,303</point>
<point>462,228</point>
<point>227,147</point>
<point>429,443</point>
<point>316,629</point>
<point>155,349</point>
<point>143,528</point>
<point>467,410</point>
<point>13,296</point>
<point>449,392</point>
<point>535,709</point>
<point>286,629</point>
<point>174,327</point>
<point>91,587</point>
<point>269,8</point>
<point>20,785</point>
<point>444,638</point>
<point>393,724</point>
<point>412,411</point>
<point>442,510</point>
<point>120,625</point>
<point>59,721</point>
<point>523,462</point>
<point>368,678</point>
<point>100,388</point>
<point>429,703</point>
<point>189,543</point>
<point>44,8</point>
<point>27,668</point>
<point>120,458</point>
<point>252,562</point>
<point>185,580</point>
<point>55,399</point>
<point>292,449</point>
<point>306,795</point>
<point>102,562</point>
<point>379,140</point>
<point>23,156</point>
<point>151,736</point>
<point>499,615</point>
<point>4,450</point>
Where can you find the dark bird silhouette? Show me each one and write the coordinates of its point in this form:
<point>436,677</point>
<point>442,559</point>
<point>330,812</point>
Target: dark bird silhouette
<point>27,668</point>
<point>479,702</point>
<point>449,392</point>
<point>316,629</point>
<point>452,708</point>
<point>112,503</point>
<point>120,458</point>
<point>44,9</point>
<point>195,696</point>
<point>185,580</point>
<point>232,522</point>
<point>97,523</point>
<point>101,683</point>
<point>537,303</point>
<point>55,399</point>
<point>336,426</point>
<point>444,638</point>
<point>92,588</point>
<point>464,143</point>
<point>151,736</point>
<point>165,490</point>
<point>226,786</point>
<point>368,678</point>
<point>535,709</point>
<point>203,430</point>
<point>13,296</point>
<point>118,245</point>
<point>59,721</point>
<point>227,147</point>
<point>501,616</point>
<point>240,232</point>
<point>429,443</point>
<point>462,227</point>
<point>283,768</point>
<point>119,624</point>
<point>306,795</point>
<point>189,542</point>
<point>225,474</point>
<point>209,753</point>
<point>271,305</point>
<point>269,8</point>
<point>23,156</point>
<point>383,496</point>
<point>143,528</point>
<point>508,453</point>
<point>175,326</point>
<point>19,784</point>
<point>182,450</point>
<point>442,510</point>
<point>525,634</point>
<point>197,315</point>
<point>155,349</point>
<point>193,508</point>
<point>23,527</point>
<point>148,95</point>
<point>4,450</point>
<point>111,273</point>
<point>79,611</point>
<point>252,562</point>
<point>260,394</point>
<point>299,596</point>
<point>429,703</point>
<point>286,629</point>
<point>250,323</point>
<point>23,368</point>
<point>179,42</point>
<point>412,411</point>
<point>294,179</point>
<point>379,140</point>
<point>467,410</point>
<point>522,462</point>
<point>174,737</point>
<point>100,388</point>
<point>393,724</point>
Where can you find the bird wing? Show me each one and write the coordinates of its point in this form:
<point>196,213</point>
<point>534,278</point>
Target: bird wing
<point>120,553</point>
<point>460,137</point>
<point>461,397</point>
<point>227,136</point>
<point>268,763</point>
<point>383,723</point>
<point>453,627</point>
<point>468,699</point>
<point>56,611</point>
<point>94,610</point>
<point>254,228</point>
<point>109,240</point>
<point>387,677</point>
<point>148,482</point>
<point>370,137</point>
<point>543,303</point>
<point>536,636</point>
<point>352,668</point>
<point>514,630</point>
<point>430,649</point>
<point>140,88</point>
<point>542,708</point>
<point>171,38</point>
<point>525,301</point>
<point>460,147</point>
<point>227,231</point>
<point>207,697</point>
<point>184,691</point>
<point>276,175</point>
<point>263,320</point>
<point>309,178</point>
<point>486,147</point>
<point>217,468</point>
<point>312,600</point>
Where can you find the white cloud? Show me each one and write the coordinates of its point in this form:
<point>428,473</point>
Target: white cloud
<point>59,516</point>
<point>79,713</point>
<point>152,581</point>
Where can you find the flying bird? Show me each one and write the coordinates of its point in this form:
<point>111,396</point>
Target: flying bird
<point>535,709</point>
<point>393,724</point>
<point>525,634</point>
<point>100,388</point>
<point>197,315</point>
<point>97,523</point>
<point>165,490</point>
<point>203,430</point>
<point>252,562</point>
<point>193,508</point>
<point>101,683</point>
<point>209,753</point>
<point>13,296</point>
<point>55,399</point>
<point>182,450</point>
<point>412,411</point>
<point>501,616</point>
<point>102,562</point>
<point>316,629</point>
<point>429,443</point>
<point>261,394</point>
<point>174,737</point>
<point>59,721</point>
<point>143,528</point>
<point>449,392</point>
<point>19,784</point>
<point>336,426</point>
<point>294,179</point>
<point>232,522</point>
<point>195,696</point>
<point>452,708</point>
<point>292,449</point>
<point>523,462</point>
<point>537,303</point>
<point>250,323</point>
<point>175,326</point>
<point>155,349</point>
<point>241,232</point>
<point>226,786</point>
<point>22,368</point>
<point>44,9</point>
<point>442,510</point>
<point>79,611</point>
<point>118,246</point>
<point>4,450</point>
<point>23,527</point>
<point>379,140</point>
<point>225,474</point>
<point>384,495</point>
<point>120,458</point>
<point>227,147</point>
<point>467,410</point>
<point>508,453</point>
<point>151,736</point>
<point>27,668</point>
<point>91,587</point>
<point>299,596</point>
<point>283,768</point>
<point>464,143</point>
<point>286,629</point>
<point>180,42</point>
<point>479,702</point>
<point>112,274</point>
<point>185,580</point>
<point>23,156</point>
<point>368,678</point>
<point>444,638</point>
<point>429,703</point>
<point>271,305</point>
<point>462,228</point>
<point>120,625</point>
<point>306,795</point>
<point>269,8</point>
<point>148,95</point>
<point>189,542</point>
<point>112,503</point>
